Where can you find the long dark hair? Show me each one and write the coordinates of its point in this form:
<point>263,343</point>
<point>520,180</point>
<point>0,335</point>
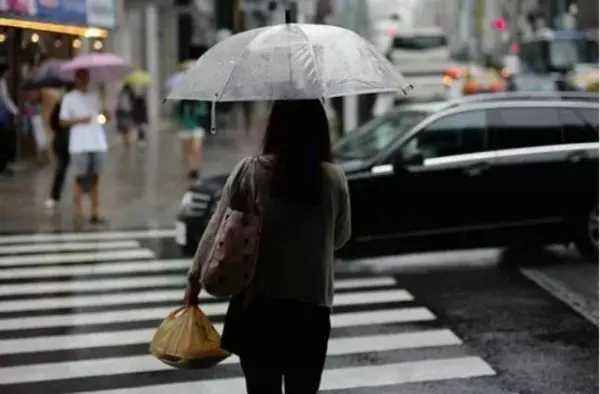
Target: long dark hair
<point>298,136</point>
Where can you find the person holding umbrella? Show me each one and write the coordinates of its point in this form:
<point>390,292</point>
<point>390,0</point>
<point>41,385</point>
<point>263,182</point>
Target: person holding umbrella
<point>83,110</point>
<point>60,147</point>
<point>134,94</point>
<point>80,111</point>
<point>301,198</point>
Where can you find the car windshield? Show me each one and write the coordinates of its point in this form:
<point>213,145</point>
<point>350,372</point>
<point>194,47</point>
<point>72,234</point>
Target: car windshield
<point>375,136</point>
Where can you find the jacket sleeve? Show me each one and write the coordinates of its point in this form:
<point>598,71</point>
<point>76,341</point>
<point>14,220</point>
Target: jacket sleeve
<point>343,222</point>
<point>213,225</point>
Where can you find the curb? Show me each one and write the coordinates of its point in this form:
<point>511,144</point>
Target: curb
<point>559,291</point>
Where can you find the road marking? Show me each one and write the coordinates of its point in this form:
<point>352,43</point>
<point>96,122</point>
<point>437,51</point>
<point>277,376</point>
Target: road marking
<point>588,308</point>
<point>147,363</point>
<point>86,236</point>
<point>141,314</point>
<point>107,300</point>
<point>110,267</point>
<point>112,284</point>
<point>340,378</point>
<point>66,247</point>
<point>79,257</point>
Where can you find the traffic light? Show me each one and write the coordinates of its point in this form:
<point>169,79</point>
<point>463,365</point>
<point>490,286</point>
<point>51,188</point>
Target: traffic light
<point>499,24</point>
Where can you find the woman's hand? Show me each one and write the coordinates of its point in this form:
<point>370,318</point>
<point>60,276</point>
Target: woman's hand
<point>191,293</point>
<point>190,299</point>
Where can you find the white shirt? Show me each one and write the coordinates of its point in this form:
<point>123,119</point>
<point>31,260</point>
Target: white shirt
<point>88,137</point>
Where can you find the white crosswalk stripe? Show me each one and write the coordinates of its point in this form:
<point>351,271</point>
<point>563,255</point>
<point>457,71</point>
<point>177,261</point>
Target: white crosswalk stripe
<point>77,311</point>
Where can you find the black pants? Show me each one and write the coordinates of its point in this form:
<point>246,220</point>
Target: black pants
<point>7,145</point>
<point>282,341</point>
<point>60,173</point>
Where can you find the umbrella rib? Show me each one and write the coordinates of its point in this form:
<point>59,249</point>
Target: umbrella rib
<point>314,55</point>
<point>237,61</point>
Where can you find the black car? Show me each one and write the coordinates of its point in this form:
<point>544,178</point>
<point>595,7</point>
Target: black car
<point>443,175</point>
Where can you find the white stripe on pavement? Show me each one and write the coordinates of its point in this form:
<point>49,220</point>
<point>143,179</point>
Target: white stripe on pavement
<point>67,247</point>
<point>220,308</point>
<point>61,258</point>
<point>122,267</point>
<point>87,236</point>
<point>339,378</point>
<point>131,337</point>
<point>108,299</point>
<point>148,281</point>
<point>147,363</point>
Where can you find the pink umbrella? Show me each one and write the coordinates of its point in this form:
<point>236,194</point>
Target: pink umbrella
<point>104,67</point>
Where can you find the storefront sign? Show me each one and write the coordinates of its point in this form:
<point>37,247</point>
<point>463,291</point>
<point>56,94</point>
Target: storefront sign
<point>62,11</point>
<point>17,7</point>
<point>101,13</point>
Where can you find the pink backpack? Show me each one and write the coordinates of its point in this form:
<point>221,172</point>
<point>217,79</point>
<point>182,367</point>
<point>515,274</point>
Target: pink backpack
<point>231,262</point>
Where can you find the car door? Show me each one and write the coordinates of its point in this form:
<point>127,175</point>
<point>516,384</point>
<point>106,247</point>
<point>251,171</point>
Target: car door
<point>430,184</point>
<point>580,127</point>
<point>529,170</point>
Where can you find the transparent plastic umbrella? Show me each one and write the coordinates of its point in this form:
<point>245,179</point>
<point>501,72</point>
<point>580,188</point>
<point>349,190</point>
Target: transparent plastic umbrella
<point>289,61</point>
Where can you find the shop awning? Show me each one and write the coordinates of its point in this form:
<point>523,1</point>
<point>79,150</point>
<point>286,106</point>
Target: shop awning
<point>55,28</point>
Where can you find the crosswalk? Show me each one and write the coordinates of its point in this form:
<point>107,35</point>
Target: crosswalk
<point>78,310</point>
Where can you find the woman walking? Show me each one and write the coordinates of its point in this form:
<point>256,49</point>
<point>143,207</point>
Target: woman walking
<point>60,147</point>
<point>139,113</point>
<point>192,118</point>
<point>282,334</point>
<point>124,113</point>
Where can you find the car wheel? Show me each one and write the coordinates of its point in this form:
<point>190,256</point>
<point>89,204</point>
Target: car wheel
<point>586,234</point>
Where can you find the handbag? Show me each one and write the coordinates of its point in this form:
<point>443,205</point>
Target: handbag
<point>231,261</point>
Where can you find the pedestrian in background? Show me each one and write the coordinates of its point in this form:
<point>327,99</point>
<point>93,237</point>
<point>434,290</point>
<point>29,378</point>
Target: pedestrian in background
<point>60,147</point>
<point>80,111</point>
<point>192,117</point>
<point>283,332</point>
<point>124,113</point>
<point>8,109</point>
<point>50,96</point>
<point>32,109</point>
<point>139,112</point>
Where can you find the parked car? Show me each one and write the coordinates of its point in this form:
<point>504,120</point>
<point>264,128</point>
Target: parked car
<point>446,174</point>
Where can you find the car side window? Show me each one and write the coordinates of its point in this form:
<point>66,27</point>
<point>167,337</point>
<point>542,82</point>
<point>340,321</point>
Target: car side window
<point>525,127</point>
<point>578,125</point>
<point>455,134</point>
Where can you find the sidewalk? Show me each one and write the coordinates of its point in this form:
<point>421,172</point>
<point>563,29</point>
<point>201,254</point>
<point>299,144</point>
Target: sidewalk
<point>141,187</point>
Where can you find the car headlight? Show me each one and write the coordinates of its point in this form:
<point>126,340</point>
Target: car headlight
<point>187,198</point>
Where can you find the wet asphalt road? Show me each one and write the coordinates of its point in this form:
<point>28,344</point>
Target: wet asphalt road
<point>527,317</point>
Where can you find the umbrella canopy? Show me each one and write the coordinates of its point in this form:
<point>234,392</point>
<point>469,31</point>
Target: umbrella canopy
<point>289,61</point>
<point>140,78</point>
<point>103,67</point>
<point>173,79</point>
<point>47,75</point>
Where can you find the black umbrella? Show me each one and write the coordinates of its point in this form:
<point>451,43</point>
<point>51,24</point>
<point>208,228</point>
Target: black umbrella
<point>47,75</point>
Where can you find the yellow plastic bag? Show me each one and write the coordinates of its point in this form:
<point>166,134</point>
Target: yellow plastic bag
<point>187,339</point>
